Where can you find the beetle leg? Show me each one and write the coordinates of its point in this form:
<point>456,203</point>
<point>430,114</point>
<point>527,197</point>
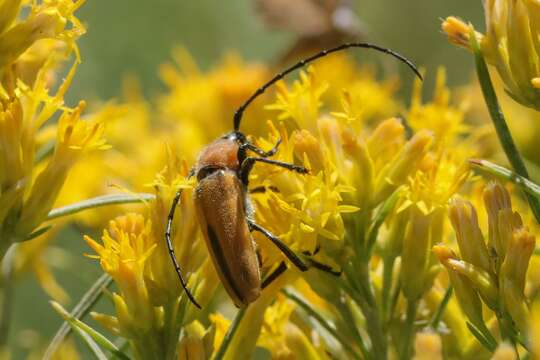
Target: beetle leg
<point>259,151</point>
<point>171,250</point>
<point>274,275</point>
<point>324,267</point>
<point>309,253</point>
<point>281,245</point>
<point>247,165</point>
<point>291,255</point>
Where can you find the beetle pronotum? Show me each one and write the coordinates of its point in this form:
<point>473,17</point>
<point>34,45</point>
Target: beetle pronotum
<point>221,199</point>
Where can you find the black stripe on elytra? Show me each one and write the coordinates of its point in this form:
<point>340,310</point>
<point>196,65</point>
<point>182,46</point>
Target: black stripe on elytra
<point>218,254</point>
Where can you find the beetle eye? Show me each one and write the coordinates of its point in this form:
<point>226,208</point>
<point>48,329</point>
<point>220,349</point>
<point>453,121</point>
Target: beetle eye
<point>206,171</point>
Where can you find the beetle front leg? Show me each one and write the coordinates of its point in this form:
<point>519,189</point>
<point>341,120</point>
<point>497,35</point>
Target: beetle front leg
<point>170,248</point>
<point>247,166</point>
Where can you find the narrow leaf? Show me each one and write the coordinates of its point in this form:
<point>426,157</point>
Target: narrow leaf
<point>99,201</point>
<point>508,175</point>
<point>487,343</point>
<point>95,336</point>
<point>87,339</point>
<point>80,310</point>
<point>37,233</point>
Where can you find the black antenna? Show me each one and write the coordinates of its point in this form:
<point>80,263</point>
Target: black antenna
<point>240,111</point>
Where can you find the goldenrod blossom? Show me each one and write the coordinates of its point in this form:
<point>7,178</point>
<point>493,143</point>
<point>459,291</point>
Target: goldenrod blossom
<point>510,44</point>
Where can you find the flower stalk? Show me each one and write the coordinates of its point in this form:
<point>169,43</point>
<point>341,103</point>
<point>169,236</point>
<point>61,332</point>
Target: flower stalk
<point>501,127</point>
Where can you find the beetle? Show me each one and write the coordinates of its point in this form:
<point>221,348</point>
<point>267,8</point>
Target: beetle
<point>222,201</point>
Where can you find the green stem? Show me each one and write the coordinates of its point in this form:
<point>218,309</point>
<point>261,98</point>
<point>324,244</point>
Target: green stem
<point>501,127</point>
<point>371,313</point>
<point>6,296</point>
<point>409,330</point>
<point>388,269</point>
<point>442,307</point>
<point>220,354</point>
<point>321,320</point>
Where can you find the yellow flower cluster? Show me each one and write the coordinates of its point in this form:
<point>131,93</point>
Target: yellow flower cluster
<point>41,137</point>
<point>510,44</point>
<point>381,212</point>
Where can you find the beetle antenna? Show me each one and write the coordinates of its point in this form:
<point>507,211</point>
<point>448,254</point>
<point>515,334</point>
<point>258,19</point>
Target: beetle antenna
<point>240,111</point>
<point>171,249</point>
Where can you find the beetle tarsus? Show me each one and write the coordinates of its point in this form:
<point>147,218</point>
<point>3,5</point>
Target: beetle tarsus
<point>274,275</point>
<point>323,267</point>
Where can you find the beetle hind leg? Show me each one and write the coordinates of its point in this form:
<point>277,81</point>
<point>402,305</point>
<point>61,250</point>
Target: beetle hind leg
<point>290,254</point>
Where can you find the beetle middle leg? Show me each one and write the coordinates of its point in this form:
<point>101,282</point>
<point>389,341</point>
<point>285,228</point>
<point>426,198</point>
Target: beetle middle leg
<point>259,151</point>
<point>170,248</point>
<point>247,165</point>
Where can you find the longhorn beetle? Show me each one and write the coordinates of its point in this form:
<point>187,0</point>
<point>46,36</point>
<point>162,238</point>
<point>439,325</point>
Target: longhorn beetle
<point>221,200</point>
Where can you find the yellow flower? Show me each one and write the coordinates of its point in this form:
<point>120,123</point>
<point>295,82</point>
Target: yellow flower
<point>444,120</point>
<point>427,346</point>
<point>510,44</point>
<point>45,20</point>
<point>300,104</point>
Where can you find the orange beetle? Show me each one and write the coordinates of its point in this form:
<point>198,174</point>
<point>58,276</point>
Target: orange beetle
<point>223,208</point>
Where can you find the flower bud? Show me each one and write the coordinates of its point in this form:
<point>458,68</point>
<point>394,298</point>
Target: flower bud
<point>512,276</point>
<point>469,237</point>
<point>466,295</point>
<point>414,257</point>
<point>403,165</point>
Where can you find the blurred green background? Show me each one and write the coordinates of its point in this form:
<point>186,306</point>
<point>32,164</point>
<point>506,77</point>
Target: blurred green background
<point>135,36</point>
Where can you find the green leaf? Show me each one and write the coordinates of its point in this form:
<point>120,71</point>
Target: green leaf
<point>488,343</point>
<point>80,310</point>
<point>99,201</point>
<point>503,132</point>
<point>92,337</point>
<point>380,217</point>
<point>37,233</point>
<point>505,174</point>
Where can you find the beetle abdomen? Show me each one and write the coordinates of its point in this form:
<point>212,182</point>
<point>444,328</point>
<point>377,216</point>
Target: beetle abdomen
<point>219,200</point>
